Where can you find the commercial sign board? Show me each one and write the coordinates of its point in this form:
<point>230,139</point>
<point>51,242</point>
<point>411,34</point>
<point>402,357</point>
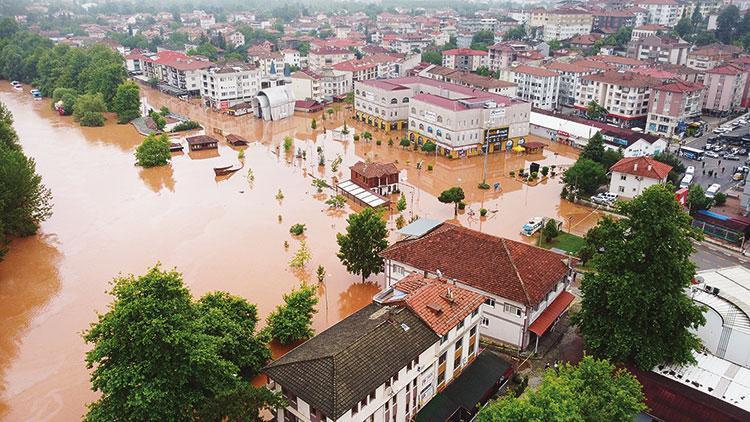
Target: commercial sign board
<point>430,115</point>
<point>497,113</point>
<point>496,135</point>
<point>369,96</point>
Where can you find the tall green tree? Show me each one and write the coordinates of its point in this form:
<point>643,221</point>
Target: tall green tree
<point>453,196</point>
<point>696,18</point>
<point>726,23</point>
<point>635,307</point>
<point>517,33</point>
<point>594,390</point>
<point>594,149</point>
<point>158,355</point>
<point>697,199</point>
<point>126,102</point>
<point>677,166</point>
<point>292,321</point>
<point>88,105</point>
<point>359,248</point>
<point>153,151</point>
<point>584,177</point>
<point>24,200</point>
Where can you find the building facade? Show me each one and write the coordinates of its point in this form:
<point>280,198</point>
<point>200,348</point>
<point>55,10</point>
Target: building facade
<point>725,86</point>
<point>464,59</point>
<point>536,85</point>
<point>225,86</point>
<point>673,105</point>
<point>625,95</point>
<point>631,176</point>
<point>565,23</point>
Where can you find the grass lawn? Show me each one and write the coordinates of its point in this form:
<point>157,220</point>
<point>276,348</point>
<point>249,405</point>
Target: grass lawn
<point>568,242</point>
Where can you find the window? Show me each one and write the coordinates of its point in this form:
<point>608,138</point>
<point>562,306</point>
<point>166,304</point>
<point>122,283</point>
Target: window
<point>394,101</point>
<point>405,100</point>
<point>623,177</point>
<point>444,338</point>
<point>475,312</point>
<point>461,324</point>
<point>413,110</point>
<point>485,322</point>
<point>490,301</point>
<point>421,126</point>
<point>473,331</point>
<point>512,309</point>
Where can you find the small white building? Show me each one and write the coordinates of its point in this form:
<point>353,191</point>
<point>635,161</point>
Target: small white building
<point>385,361</point>
<point>631,176</point>
<point>274,103</point>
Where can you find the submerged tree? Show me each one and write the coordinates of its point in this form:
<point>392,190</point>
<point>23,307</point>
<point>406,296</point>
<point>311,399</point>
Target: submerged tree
<point>452,195</point>
<point>127,102</point>
<point>292,321</point>
<point>153,151</point>
<point>635,307</point>
<point>359,249</point>
<point>158,355</point>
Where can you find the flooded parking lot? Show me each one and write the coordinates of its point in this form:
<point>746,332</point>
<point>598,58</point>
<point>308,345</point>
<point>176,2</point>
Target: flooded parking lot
<point>111,217</point>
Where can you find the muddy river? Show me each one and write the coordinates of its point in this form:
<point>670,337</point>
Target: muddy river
<point>111,217</point>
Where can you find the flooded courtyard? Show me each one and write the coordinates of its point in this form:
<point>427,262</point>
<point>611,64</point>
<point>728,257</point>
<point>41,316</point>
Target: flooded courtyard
<point>111,217</point>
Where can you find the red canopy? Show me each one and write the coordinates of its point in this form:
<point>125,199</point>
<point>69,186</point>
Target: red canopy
<point>553,311</point>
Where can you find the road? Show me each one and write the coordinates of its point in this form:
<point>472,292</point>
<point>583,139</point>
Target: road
<point>714,165</point>
<point>708,256</point>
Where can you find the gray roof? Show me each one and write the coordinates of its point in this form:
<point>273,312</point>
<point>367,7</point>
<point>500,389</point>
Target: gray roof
<point>342,365</point>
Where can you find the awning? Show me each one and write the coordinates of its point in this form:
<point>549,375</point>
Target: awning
<point>550,315</point>
<point>361,194</point>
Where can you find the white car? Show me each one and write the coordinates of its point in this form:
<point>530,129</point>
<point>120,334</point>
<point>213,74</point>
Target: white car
<point>690,170</point>
<point>711,154</point>
<point>604,198</point>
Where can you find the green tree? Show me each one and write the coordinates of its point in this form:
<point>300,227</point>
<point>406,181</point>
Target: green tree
<point>153,151</point>
<point>127,102</point>
<point>92,119</point>
<point>595,111</point>
<point>157,354</point>
<point>336,201</point>
<point>720,198</point>
<point>517,33</point>
<point>359,249</point>
<point>429,146</point>
<point>433,57</point>
<point>696,18</point>
<point>301,257</point>
<point>452,195</point>
<point>697,199</point>
<point>24,201</point>
<point>483,71</point>
<point>677,166</point>
<point>726,23</point>
<point>610,157</point>
<point>594,149</point>
<point>401,204</point>
<point>405,142</point>
<point>482,39</point>
<point>593,390</point>
<point>314,124</point>
<point>88,105</point>
<point>288,143</point>
<point>684,27</point>
<point>292,321</point>
<point>550,230</point>
<point>652,326</point>
<point>67,96</point>
<point>103,80</point>
<point>584,177</point>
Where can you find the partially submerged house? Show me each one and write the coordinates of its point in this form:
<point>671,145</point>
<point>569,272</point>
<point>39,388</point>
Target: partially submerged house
<point>235,140</point>
<point>201,142</point>
<point>377,177</point>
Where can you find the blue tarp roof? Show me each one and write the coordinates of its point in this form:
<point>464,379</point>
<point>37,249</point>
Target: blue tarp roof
<point>714,215</point>
<point>420,227</point>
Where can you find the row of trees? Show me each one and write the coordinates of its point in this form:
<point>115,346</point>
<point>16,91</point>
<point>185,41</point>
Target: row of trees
<point>24,201</point>
<point>87,80</point>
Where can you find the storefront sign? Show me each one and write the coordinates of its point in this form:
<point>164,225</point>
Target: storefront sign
<point>369,96</point>
<point>563,133</point>
<point>496,135</point>
<point>497,113</point>
<point>430,115</point>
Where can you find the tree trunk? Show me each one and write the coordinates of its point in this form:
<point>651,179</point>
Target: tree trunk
<point>455,210</point>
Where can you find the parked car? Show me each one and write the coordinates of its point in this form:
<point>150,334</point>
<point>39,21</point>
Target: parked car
<point>712,190</point>
<point>711,154</point>
<point>738,176</point>
<point>532,226</point>
<point>742,151</point>
<point>604,198</point>
<point>686,181</point>
<point>732,157</point>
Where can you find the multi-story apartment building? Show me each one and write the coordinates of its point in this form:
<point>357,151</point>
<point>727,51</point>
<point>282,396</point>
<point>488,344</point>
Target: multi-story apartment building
<point>564,23</point>
<point>174,69</point>
<point>293,57</point>
<point>269,62</point>
<point>335,83</point>
<point>472,80</point>
<point>536,85</point>
<point>612,20</point>
<point>570,80</point>
<point>230,84</point>
<point>647,30</point>
<point>625,95</point>
<point>385,361</point>
<point>306,85</point>
<point>660,48</point>
<point>673,104</point>
<point>464,59</point>
<point>525,287</point>
<point>327,57</point>
<point>501,55</point>
<point>476,24</point>
<point>725,86</point>
<point>711,55</point>
<point>662,12</point>
<point>379,66</point>
<point>459,128</point>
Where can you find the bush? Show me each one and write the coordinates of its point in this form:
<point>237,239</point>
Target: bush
<point>400,222</point>
<point>405,142</point>
<point>378,142</point>
<point>429,146</point>
<point>390,142</point>
<point>288,143</point>
<point>186,125</point>
<point>292,321</point>
<point>483,212</point>
<point>154,151</point>
<point>429,167</point>
<point>87,103</point>
<point>158,119</point>
<point>720,198</point>
<point>462,205</point>
<point>297,229</point>
<point>512,174</point>
<point>534,175</point>
<point>483,185</point>
<point>545,170</point>
<point>92,118</point>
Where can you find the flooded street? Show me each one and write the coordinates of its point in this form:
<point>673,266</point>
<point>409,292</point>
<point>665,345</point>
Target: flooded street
<point>111,217</point>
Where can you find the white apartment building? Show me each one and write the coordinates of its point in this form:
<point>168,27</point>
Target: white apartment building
<point>570,80</point>
<point>335,83</point>
<point>660,48</point>
<point>174,69</point>
<point>269,62</point>
<point>565,23</point>
<point>503,54</point>
<point>464,59</point>
<point>538,86</point>
<point>327,57</point>
<point>306,85</point>
<point>522,301</point>
<point>415,338</point>
<point>230,84</point>
<point>292,57</point>
<point>662,12</point>
<point>625,95</point>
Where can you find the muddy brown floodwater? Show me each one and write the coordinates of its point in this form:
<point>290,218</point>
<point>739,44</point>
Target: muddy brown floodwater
<point>111,218</point>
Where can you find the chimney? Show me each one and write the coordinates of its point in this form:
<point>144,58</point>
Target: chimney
<point>635,167</point>
<point>649,167</point>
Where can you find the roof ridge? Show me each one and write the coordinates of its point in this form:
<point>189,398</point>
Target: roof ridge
<point>513,264</point>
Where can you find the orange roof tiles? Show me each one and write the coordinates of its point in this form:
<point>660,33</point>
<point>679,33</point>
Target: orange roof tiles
<point>504,268</point>
<point>642,166</point>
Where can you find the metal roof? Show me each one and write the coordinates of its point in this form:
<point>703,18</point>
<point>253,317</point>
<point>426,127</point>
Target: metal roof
<point>732,297</point>
<point>420,227</point>
<point>361,194</point>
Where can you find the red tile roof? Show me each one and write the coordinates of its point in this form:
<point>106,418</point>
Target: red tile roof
<point>628,79</point>
<point>464,52</point>
<point>369,170</point>
<point>505,268</point>
<point>729,69</point>
<point>642,166</point>
<point>679,86</point>
<point>437,303</point>
<point>542,323</point>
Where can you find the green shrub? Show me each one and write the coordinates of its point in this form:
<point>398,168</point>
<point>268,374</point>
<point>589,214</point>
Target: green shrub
<point>378,142</point>
<point>462,205</point>
<point>512,174</point>
<point>297,229</point>
<point>186,125</point>
<point>720,198</point>
<point>483,185</point>
<point>92,118</point>
<point>545,170</point>
<point>483,212</point>
<point>429,167</point>
<point>429,146</point>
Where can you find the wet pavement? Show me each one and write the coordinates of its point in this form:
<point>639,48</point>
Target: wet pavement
<point>111,218</point>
